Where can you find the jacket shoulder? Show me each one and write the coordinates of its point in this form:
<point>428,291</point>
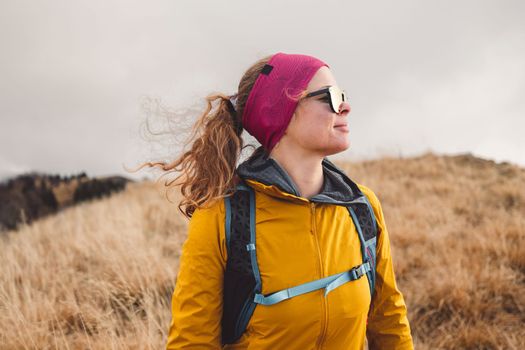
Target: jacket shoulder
<point>207,224</point>
<point>214,208</point>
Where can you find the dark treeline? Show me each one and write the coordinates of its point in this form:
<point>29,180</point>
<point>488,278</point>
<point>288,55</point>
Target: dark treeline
<point>28,197</point>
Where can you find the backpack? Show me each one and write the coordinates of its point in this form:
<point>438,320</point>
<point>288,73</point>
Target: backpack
<point>242,281</point>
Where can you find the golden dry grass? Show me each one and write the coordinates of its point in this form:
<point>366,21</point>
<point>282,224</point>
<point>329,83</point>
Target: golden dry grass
<point>100,275</point>
<point>458,237</point>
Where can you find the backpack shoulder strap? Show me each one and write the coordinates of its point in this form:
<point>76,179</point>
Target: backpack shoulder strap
<point>240,281</point>
<point>236,206</point>
<point>365,222</point>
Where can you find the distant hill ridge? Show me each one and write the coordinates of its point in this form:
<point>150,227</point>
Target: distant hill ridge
<point>30,196</point>
<point>33,195</point>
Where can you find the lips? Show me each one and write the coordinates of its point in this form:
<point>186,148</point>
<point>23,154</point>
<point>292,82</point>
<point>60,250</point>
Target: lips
<point>341,127</point>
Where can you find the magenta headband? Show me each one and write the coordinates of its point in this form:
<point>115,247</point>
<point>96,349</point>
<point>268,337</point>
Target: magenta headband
<point>271,105</point>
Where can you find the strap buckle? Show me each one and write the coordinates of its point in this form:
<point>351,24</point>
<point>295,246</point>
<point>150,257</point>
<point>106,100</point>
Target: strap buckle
<point>360,270</point>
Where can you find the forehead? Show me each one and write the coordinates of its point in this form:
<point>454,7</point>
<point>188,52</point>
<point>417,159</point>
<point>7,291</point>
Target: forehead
<point>323,77</point>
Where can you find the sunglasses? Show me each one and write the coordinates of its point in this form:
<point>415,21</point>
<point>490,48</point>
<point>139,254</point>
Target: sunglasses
<point>334,96</point>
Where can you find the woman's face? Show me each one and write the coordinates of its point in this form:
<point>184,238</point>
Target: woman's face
<point>314,127</point>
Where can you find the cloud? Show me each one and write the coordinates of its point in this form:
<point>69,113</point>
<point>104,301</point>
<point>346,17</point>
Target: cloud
<point>419,74</point>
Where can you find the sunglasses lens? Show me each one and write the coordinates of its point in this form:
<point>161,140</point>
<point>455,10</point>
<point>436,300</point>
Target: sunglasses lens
<point>333,96</point>
<point>337,97</point>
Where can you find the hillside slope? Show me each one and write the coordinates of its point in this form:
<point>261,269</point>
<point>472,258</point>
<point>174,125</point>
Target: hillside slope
<point>100,275</point>
<point>458,235</point>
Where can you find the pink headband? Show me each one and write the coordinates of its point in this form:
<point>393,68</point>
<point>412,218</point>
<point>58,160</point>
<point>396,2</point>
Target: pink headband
<point>268,109</point>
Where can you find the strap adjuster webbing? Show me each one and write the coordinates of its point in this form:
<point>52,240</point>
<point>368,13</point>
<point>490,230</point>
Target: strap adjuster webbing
<point>328,283</point>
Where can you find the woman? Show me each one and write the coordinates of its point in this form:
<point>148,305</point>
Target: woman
<point>291,104</point>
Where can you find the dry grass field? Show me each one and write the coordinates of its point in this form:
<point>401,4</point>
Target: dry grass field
<point>100,275</point>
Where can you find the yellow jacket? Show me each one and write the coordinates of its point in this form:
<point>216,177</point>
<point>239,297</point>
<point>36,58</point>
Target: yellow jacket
<point>298,240</point>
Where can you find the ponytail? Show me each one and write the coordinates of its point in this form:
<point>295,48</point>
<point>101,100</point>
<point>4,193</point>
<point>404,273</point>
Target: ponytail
<point>208,168</point>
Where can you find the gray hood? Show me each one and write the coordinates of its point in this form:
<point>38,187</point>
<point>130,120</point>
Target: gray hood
<point>337,187</point>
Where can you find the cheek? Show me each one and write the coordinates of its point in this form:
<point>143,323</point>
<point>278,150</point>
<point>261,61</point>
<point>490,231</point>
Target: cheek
<point>315,127</point>
<point>315,124</point>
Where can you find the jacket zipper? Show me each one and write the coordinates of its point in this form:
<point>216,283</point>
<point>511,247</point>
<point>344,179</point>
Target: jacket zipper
<point>324,322</point>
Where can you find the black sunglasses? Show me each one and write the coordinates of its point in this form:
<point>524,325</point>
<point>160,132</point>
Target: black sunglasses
<point>334,97</point>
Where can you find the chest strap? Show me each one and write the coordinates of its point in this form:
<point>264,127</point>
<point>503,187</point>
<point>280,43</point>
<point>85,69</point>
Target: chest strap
<point>328,283</point>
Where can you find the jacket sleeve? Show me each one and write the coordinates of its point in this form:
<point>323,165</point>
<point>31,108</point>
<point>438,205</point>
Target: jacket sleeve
<point>197,299</point>
<point>388,326</point>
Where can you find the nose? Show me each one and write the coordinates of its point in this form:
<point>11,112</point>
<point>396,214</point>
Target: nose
<point>344,108</point>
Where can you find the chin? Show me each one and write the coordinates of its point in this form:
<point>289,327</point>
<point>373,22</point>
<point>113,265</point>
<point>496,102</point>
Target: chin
<point>335,149</point>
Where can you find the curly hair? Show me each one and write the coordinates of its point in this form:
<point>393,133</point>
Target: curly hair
<point>216,144</point>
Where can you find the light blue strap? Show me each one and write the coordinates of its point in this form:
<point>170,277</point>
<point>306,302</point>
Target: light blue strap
<point>371,242</point>
<point>330,283</point>
<point>348,276</point>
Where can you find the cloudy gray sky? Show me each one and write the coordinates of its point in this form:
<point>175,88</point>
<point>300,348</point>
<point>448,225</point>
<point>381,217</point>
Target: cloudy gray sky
<point>445,76</point>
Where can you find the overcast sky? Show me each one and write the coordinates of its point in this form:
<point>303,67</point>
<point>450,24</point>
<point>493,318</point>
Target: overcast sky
<point>441,76</point>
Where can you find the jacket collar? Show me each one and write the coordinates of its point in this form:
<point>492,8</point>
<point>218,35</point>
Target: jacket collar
<point>264,173</point>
